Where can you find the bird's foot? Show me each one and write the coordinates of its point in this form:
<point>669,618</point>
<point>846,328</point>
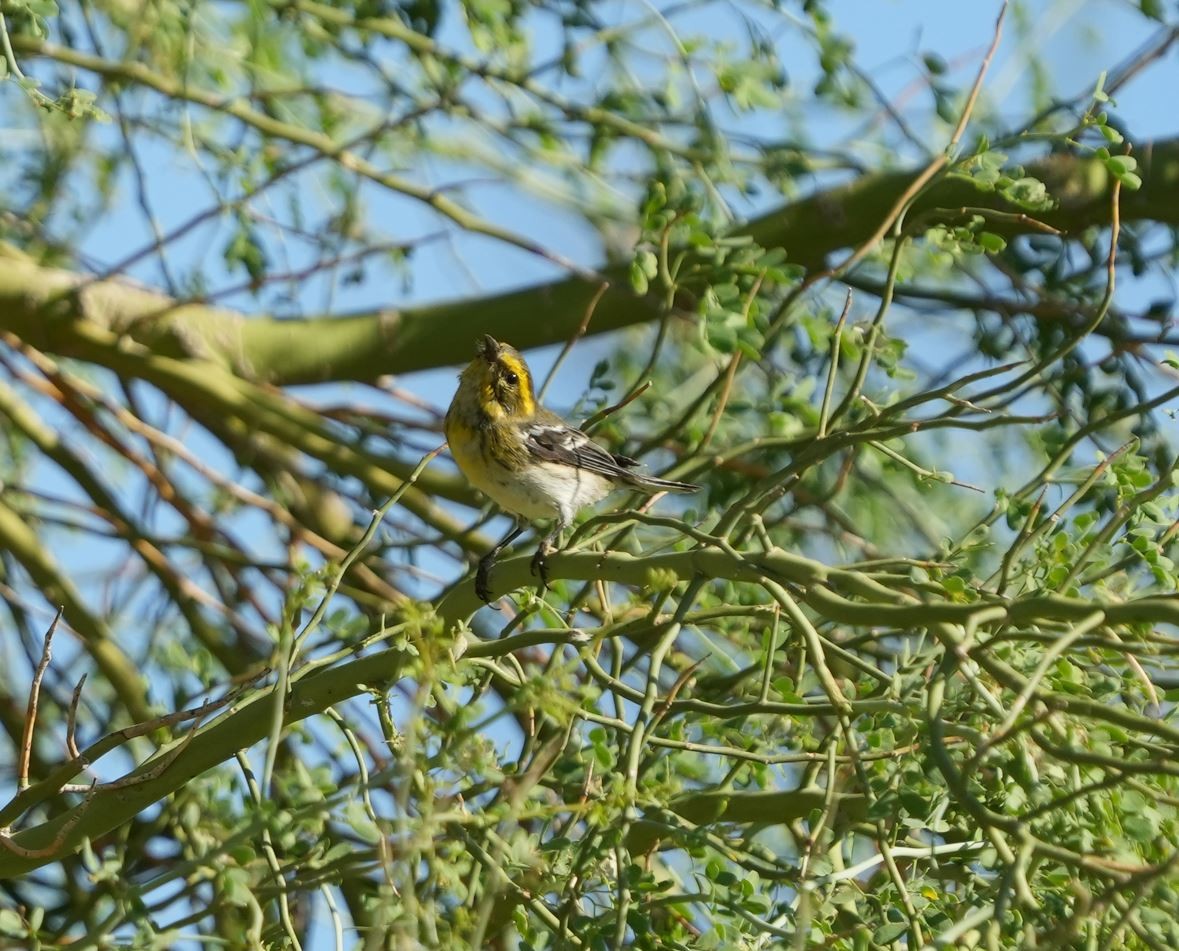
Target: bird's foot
<point>539,566</point>
<point>483,579</point>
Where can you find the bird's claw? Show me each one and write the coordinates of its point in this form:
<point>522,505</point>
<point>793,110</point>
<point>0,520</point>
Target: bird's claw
<point>539,567</point>
<point>482,582</point>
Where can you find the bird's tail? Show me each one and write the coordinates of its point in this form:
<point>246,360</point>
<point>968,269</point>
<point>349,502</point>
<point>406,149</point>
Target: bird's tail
<point>651,484</point>
<point>636,480</point>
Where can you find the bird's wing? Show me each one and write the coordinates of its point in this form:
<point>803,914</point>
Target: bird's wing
<point>571,447</point>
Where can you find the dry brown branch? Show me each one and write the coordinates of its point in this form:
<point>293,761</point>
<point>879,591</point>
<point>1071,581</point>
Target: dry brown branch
<point>26,746</point>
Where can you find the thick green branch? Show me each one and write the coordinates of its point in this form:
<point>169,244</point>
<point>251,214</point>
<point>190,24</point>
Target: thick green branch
<point>214,744</point>
<point>86,324</point>
<point>833,593</point>
<point>836,594</point>
<point>364,346</point>
<point>769,808</point>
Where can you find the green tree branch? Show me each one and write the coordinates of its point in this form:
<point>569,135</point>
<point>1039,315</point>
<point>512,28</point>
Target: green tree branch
<point>248,723</point>
<point>50,307</point>
<point>867,601</point>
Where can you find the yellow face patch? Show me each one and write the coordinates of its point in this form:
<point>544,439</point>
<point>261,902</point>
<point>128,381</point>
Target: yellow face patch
<point>497,384</point>
<point>504,383</point>
<point>512,383</point>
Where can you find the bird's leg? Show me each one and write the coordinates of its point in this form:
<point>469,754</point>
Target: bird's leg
<point>539,566</point>
<point>483,571</point>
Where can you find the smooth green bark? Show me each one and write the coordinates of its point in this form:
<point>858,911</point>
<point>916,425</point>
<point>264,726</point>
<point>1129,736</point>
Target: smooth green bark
<point>49,307</point>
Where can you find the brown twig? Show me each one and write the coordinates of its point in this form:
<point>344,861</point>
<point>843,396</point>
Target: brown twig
<point>49,850</point>
<point>72,719</point>
<point>722,400</point>
<point>665,704</point>
<point>611,410</point>
<point>935,166</point>
<point>968,110</point>
<point>26,743</point>
<point>27,798</point>
<point>577,335</point>
<point>171,444</point>
<point>156,770</point>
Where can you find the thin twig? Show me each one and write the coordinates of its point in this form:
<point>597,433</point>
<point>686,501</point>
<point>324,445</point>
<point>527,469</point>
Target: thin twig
<point>72,719</point>
<point>836,343</point>
<point>154,771</point>
<point>26,743</point>
<point>722,400</point>
<point>288,649</point>
<point>933,168</point>
<point>280,881</point>
<point>611,410</point>
<point>50,850</point>
<point>972,99</point>
<point>10,60</point>
<point>26,799</point>
<point>577,335</point>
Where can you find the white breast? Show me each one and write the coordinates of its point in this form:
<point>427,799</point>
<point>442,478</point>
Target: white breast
<point>544,490</point>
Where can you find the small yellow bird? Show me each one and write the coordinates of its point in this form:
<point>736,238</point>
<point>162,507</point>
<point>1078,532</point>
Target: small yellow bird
<point>525,458</point>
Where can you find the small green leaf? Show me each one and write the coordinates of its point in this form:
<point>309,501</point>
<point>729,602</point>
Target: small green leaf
<point>11,924</point>
<point>1120,164</point>
<point>991,242</point>
<point>235,887</point>
<point>934,63</point>
<point>1152,9</point>
<point>648,262</point>
<point>360,822</point>
<point>1139,828</point>
<point>784,688</point>
<point>638,279</point>
<point>887,934</point>
<point>721,336</point>
<point>1111,134</point>
<point>242,854</point>
<point>1122,168</point>
<point>245,250</point>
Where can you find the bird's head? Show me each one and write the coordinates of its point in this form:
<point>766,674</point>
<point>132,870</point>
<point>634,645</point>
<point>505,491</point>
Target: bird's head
<point>499,379</point>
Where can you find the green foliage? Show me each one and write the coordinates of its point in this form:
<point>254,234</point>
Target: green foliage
<point>901,674</point>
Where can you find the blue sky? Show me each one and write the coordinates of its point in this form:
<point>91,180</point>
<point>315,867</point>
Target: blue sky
<point>1075,41</point>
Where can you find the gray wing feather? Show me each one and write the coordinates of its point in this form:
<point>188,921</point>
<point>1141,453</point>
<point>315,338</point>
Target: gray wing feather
<point>571,447</point>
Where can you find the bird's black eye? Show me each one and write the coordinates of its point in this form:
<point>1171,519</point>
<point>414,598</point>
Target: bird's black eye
<point>511,378</point>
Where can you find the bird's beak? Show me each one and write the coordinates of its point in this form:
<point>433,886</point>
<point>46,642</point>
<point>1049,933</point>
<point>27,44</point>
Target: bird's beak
<point>488,347</point>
